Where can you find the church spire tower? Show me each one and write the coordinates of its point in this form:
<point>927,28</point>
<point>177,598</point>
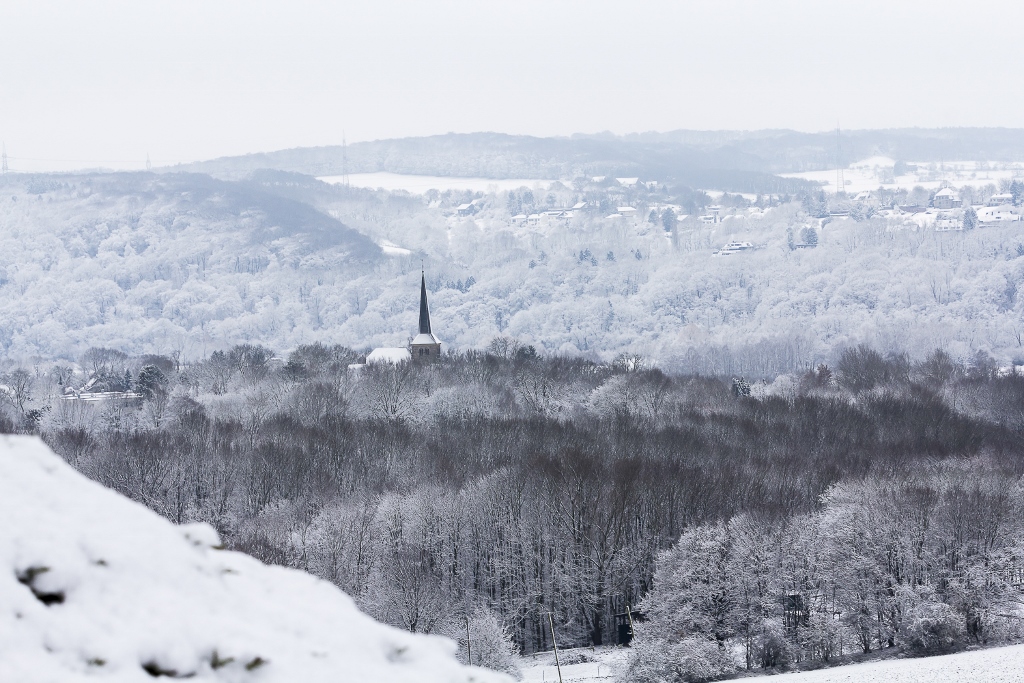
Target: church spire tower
<point>424,310</point>
<point>424,345</point>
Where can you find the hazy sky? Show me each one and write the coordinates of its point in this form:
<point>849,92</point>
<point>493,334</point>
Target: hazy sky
<point>107,82</point>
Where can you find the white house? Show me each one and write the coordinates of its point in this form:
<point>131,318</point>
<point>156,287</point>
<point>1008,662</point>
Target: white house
<point>946,221</point>
<point>733,248</point>
<point>946,198</point>
<point>713,214</point>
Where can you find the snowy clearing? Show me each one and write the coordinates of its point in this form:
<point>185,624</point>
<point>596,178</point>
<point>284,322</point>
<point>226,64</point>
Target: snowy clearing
<point>995,665</point>
<point>392,249</point>
<point>419,184</point>
<point>97,587</point>
<point>876,172</point>
<point>601,664</point>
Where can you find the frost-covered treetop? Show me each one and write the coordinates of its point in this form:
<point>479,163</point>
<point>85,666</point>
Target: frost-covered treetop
<point>96,587</point>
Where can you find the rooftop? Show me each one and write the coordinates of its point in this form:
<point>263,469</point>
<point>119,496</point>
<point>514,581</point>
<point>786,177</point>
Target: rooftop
<point>394,356</point>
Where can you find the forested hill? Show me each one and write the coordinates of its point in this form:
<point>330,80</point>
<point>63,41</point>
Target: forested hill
<point>494,155</point>
<point>790,151</point>
<point>149,263</point>
<point>135,258</point>
<point>737,161</point>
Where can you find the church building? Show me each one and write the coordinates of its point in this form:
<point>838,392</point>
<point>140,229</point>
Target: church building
<point>424,344</point>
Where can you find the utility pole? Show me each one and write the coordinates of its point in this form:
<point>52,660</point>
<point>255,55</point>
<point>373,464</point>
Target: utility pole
<point>840,181</point>
<point>551,625</point>
<point>469,641</point>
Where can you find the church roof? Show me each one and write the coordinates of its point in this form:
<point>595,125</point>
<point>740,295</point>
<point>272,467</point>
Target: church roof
<point>386,355</point>
<point>427,338</point>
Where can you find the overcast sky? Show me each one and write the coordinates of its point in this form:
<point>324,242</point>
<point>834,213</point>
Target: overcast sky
<point>106,83</point>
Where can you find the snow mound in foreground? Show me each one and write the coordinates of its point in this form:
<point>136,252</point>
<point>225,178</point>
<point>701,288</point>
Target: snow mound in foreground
<point>96,587</point>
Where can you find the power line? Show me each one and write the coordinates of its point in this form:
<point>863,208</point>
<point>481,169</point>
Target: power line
<point>344,160</point>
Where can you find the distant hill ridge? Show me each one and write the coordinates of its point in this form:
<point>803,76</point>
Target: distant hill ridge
<point>743,161</point>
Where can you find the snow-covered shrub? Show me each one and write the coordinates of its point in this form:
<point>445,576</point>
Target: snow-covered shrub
<point>772,646</point>
<point>692,660</point>
<point>492,645</point>
<point>823,636</point>
<point>931,628</point>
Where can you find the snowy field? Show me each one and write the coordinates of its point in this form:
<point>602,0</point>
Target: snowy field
<point>870,174</point>
<point>95,587</point>
<point>419,184</point>
<point>995,665</point>
<point>604,663</point>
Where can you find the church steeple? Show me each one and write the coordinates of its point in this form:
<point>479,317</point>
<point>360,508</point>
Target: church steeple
<point>424,311</point>
<point>424,345</point>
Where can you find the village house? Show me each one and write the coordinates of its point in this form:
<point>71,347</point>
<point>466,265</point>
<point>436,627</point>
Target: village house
<point>946,198</point>
<point>733,248</point>
<point>712,214</point>
<point>946,221</point>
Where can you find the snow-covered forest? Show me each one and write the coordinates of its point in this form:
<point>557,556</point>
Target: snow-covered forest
<point>925,558</point>
<point>593,342</point>
<point>884,493</point>
<point>185,265</point>
<point>783,428</point>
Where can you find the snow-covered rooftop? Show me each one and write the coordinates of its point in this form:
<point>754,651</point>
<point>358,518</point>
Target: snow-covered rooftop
<point>388,355</point>
<point>95,587</point>
<point>425,339</point>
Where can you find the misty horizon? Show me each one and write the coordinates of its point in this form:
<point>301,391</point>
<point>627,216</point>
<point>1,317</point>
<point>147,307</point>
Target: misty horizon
<point>110,83</point>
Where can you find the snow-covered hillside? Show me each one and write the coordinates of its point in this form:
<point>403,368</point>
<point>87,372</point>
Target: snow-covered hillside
<point>190,265</point>
<point>96,587</point>
<point>877,172</point>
